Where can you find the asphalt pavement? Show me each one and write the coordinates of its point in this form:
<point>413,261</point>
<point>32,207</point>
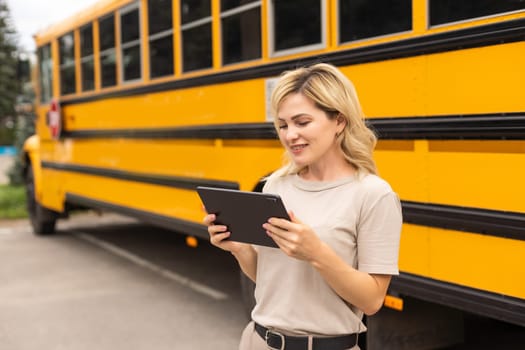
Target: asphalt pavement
<point>108,282</point>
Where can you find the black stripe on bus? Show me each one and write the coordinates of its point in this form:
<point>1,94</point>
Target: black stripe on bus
<point>242,131</point>
<point>491,34</point>
<point>489,222</point>
<point>162,180</point>
<point>498,306</point>
<point>509,126</point>
<point>178,225</point>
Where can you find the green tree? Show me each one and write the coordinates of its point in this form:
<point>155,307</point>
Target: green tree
<point>9,85</point>
<point>24,127</point>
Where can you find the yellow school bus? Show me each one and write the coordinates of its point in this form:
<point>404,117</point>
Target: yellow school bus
<point>140,101</point>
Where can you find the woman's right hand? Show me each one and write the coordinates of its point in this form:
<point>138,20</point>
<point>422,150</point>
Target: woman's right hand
<point>219,235</point>
<point>243,252</point>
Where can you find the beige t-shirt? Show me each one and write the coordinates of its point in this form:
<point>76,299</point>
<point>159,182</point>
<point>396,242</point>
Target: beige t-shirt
<point>360,219</point>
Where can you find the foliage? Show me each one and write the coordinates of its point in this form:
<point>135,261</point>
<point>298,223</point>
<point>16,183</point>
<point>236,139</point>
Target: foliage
<point>9,85</point>
<point>16,117</point>
<point>7,132</point>
<point>24,128</point>
<point>12,202</point>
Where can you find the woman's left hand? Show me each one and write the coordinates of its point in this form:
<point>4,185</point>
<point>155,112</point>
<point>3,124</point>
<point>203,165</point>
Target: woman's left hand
<point>294,238</point>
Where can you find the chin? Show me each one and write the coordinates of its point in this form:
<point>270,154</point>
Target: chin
<point>300,164</point>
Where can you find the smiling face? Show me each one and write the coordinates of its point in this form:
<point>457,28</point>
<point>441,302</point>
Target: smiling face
<point>307,133</point>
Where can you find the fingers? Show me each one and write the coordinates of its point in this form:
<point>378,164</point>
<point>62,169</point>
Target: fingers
<point>287,240</point>
<point>288,247</point>
<point>281,223</point>
<point>217,238</point>
<point>217,233</point>
<point>282,226</point>
<point>292,237</point>
<point>214,230</point>
<point>209,219</point>
<point>277,230</point>
<point>281,242</point>
<point>294,218</point>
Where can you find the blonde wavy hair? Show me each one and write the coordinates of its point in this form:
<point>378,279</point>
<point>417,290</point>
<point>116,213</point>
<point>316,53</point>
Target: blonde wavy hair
<point>332,92</point>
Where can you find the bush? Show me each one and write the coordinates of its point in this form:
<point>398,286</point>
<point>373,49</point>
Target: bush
<point>12,202</point>
<point>7,132</point>
<point>24,128</point>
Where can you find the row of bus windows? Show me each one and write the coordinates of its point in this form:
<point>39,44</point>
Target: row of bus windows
<point>295,25</point>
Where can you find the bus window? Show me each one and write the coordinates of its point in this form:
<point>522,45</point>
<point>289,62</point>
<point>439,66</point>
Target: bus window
<point>297,25</point>
<point>86,57</point>
<point>45,65</point>
<point>366,19</point>
<point>67,63</point>
<point>196,34</point>
<point>130,42</point>
<point>160,30</point>
<point>446,11</point>
<point>108,63</point>
<point>241,30</point>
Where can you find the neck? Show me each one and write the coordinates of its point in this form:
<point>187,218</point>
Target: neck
<point>327,171</point>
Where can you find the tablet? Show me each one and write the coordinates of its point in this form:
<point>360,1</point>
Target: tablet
<point>243,212</point>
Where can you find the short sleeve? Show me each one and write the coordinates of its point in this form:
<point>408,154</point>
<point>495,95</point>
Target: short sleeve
<point>378,236</point>
<point>267,187</point>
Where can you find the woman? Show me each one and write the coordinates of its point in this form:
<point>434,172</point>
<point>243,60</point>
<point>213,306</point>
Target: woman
<point>339,250</point>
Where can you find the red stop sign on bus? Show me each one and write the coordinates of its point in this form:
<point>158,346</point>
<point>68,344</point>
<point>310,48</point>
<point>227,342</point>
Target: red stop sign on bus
<point>54,119</point>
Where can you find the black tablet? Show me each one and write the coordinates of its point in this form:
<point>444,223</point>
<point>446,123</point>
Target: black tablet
<point>243,212</point>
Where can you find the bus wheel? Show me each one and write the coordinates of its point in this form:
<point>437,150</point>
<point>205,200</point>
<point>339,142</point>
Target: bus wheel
<point>42,219</point>
<point>247,293</point>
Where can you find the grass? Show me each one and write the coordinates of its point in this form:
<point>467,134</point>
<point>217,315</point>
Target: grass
<point>12,202</point>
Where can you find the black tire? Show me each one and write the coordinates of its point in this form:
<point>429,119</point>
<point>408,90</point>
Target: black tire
<point>42,220</point>
<point>247,293</point>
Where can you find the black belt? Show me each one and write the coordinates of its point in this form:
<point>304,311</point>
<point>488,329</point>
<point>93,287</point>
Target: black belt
<point>279,341</point>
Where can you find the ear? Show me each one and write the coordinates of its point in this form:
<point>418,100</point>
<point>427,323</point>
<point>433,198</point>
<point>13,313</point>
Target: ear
<point>341,121</point>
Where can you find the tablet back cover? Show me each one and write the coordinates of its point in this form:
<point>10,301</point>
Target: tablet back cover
<point>243,212</point>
